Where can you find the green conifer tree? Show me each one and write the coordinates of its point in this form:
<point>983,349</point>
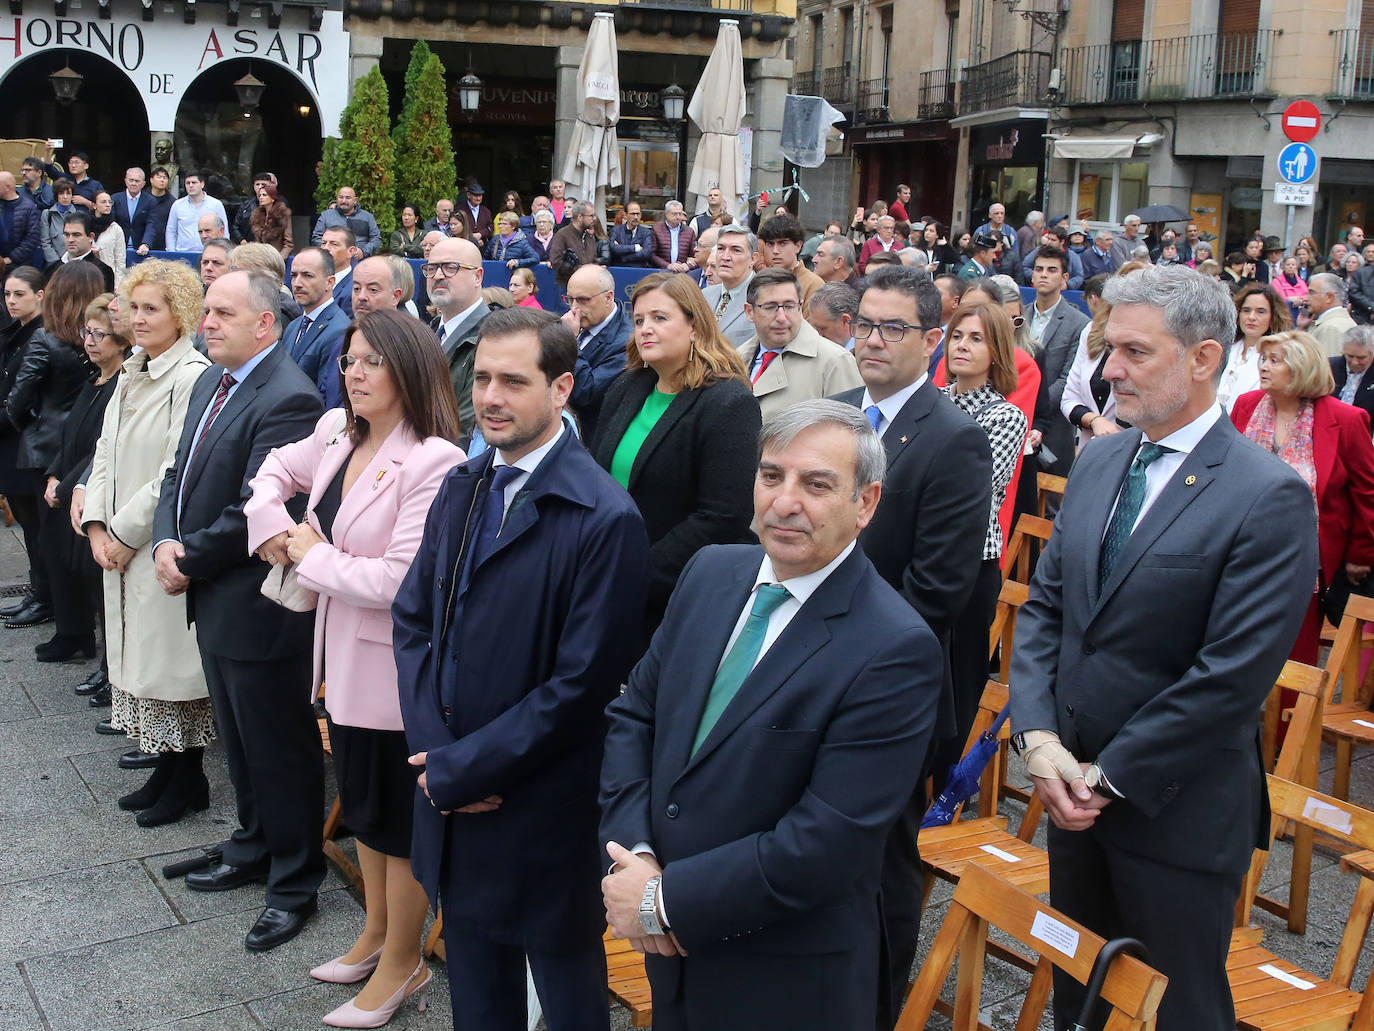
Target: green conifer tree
<point>419,54</point>
<point>424,153</point>
<point>364,154</point>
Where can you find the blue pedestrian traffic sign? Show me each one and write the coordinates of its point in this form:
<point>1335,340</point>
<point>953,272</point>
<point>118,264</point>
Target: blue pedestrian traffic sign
<point>1297,163</point>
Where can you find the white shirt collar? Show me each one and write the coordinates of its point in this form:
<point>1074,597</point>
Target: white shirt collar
<point>314,313</point>
<point>1186,438</point>
<point>801,587</point>
<point>890,406</point>
<point>457,319</point>
<point>600,325</point>
<point>530,462</point>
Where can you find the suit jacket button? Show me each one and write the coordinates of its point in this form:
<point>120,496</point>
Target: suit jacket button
<point>440,582</point>
<point>448,711</point>
<point>1068,710</point>
<point>672,810</point>
<point>1089,648</point>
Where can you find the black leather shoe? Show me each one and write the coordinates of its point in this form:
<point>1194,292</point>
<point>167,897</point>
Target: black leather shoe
<point>106,727</point>
<point>33,614</point>
<point>92,683</point>
<point>61,648</point>
<point>225,878</point>
<point>19,606</point>
<point>277,926</point>
<point>138,760</point>
<point>101,699</point>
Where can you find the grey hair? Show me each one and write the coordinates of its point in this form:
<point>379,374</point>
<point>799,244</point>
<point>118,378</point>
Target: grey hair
<point>886,218</point>
<point>673,205</point>
<point>1360,336</point>
<point>1140,252</point>
<point>1328,283</point>
<point>219,222</point>
<point>543,215</point>
<point>1034,217</point>
<point>265,294</point>
<point>836,299</point>
<point>1102,234</point>
<point>914,257</point>
<point>735,229</point>
<point>402,276</point>
<point>1131,220</point>
<point>1194,307</point>
<point>220,242</point>
<point>844,248</point>
<point>870,460</point>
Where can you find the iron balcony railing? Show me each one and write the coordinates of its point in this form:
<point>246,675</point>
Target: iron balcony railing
<point>872,102</point>
<point>742,6</point>
<point>1021,77</point>
<point>1352,74</point>
<point>1232,64</point>
<point>936,96</point>
<point>804,84</point>
<point>837,85</point>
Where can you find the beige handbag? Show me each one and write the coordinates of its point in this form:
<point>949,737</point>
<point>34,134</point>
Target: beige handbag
<point>283,586</point>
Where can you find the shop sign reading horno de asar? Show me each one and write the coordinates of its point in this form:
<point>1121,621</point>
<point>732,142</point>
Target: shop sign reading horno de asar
<point>164,56</point>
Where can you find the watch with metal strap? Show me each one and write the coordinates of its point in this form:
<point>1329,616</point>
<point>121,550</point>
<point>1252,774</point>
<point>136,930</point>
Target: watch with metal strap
<point>648,908</point>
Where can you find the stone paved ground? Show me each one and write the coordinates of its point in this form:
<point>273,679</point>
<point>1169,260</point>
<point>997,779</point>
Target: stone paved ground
<point>92,937</point>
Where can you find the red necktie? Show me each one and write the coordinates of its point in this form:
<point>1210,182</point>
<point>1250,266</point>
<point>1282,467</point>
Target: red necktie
<point>221,395</point>
<point>764,362</point>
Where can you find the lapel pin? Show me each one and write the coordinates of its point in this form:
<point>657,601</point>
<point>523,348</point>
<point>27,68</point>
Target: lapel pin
<point>1190,481</point>
<point>903,440</point>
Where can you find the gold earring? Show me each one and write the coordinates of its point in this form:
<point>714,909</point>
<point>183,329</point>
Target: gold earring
<point>692,354</point>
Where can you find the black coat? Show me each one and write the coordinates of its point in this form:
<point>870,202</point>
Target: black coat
<point>276,404</point>
<point>51,374</point>
<point>14,339</point>
<point>599,361</point>
<point>1364,394</point>
<point>693,479</point>
<point>926,538</point>
<point>79,434</point>
<point>505,668</point>
<point>105,271</point>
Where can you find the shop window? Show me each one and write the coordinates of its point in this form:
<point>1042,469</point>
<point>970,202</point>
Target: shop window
<point>1016,187</point>
<point>1098,181</point>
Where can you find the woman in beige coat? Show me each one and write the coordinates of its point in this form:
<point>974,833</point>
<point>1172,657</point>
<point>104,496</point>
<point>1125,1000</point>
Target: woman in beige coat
<point>159,694</point>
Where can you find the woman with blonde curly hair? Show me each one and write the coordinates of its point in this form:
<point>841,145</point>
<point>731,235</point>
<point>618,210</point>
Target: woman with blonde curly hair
<point>158,689</point>
<point>678,429</point>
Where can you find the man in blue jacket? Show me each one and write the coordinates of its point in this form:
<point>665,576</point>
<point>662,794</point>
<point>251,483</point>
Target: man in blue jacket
<point>516,625</point>
<point>632,243</point>
<point>18,227</point>
<point>603,330</point>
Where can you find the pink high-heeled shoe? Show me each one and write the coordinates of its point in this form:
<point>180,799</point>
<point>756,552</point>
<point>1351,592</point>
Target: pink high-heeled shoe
<point>349,1015</point>
<point>336,971</point>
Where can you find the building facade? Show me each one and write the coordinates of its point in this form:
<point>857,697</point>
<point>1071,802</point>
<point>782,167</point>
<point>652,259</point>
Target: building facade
<point>160,83</point>
<point>1094,109</point>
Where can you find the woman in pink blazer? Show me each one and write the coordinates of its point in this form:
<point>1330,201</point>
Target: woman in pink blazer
<point>371,470</point>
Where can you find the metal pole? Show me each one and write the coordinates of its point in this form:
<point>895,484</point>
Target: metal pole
<point>1288,230</point>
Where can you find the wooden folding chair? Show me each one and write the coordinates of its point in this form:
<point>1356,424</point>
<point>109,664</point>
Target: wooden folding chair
<point>983,901</point>
<point>1001,637</point>
<point>1297,761</point>
<point>334,820</point>
<point>1048,484</point>
<point>1348,723</point>
<point>1272,994</point>
<point>627,981</point>
<point>1030,531</point>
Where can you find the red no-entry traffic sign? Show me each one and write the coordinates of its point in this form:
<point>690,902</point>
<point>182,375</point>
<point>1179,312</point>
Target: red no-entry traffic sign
<point>1301,120</point>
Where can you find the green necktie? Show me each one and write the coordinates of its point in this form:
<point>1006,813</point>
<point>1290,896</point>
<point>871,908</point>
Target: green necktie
<point>1127,510</point>
<point>740,662</point>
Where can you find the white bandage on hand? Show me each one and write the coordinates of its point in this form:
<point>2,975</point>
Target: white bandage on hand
<point>1046,757</point>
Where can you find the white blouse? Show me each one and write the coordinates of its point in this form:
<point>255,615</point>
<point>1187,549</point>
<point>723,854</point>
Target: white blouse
<point>1240,377</point>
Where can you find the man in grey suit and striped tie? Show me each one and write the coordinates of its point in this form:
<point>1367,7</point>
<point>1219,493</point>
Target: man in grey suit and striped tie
<point>735,247</point>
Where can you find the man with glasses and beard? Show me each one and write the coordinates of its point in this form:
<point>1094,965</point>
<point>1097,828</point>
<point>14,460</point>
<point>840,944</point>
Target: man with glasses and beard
<point>454,278</point>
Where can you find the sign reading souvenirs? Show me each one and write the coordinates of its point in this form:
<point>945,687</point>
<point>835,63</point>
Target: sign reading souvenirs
<point>163,57</point>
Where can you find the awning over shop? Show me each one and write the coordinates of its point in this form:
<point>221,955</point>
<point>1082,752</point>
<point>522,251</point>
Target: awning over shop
<point>1096,148</point>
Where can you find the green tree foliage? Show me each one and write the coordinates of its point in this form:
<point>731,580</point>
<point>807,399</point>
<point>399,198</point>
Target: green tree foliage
<point>328,184</point>
<point>424,152</point>
<point>364,154</point>
<point>419,54</point>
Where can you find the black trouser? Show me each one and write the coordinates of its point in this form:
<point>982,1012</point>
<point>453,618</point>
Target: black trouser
<point>969,665</point>
<point>903,888</point>
<point>29,509</point>
<point>272,747</point>
<point>1184,917</point>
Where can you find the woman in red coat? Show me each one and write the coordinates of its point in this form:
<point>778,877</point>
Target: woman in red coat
<point>1328,443</point>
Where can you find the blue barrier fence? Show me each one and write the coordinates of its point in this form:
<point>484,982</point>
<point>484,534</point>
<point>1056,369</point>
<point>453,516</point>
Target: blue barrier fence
<point>550,294</point>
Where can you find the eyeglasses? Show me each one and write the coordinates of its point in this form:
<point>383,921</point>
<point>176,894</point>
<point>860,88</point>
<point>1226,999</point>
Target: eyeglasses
<point>892,332</point>
<point>582,302</point>
<point>95,336</point>
<point>771,308</point>
<point>430,269</point>
<point>371,362</point>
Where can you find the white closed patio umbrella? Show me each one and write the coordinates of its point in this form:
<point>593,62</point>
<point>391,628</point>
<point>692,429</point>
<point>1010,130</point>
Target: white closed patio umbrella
<point>593,160</point>
<point>718,108</point>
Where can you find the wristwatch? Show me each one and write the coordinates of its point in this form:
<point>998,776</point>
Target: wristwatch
<point>648,908</point>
